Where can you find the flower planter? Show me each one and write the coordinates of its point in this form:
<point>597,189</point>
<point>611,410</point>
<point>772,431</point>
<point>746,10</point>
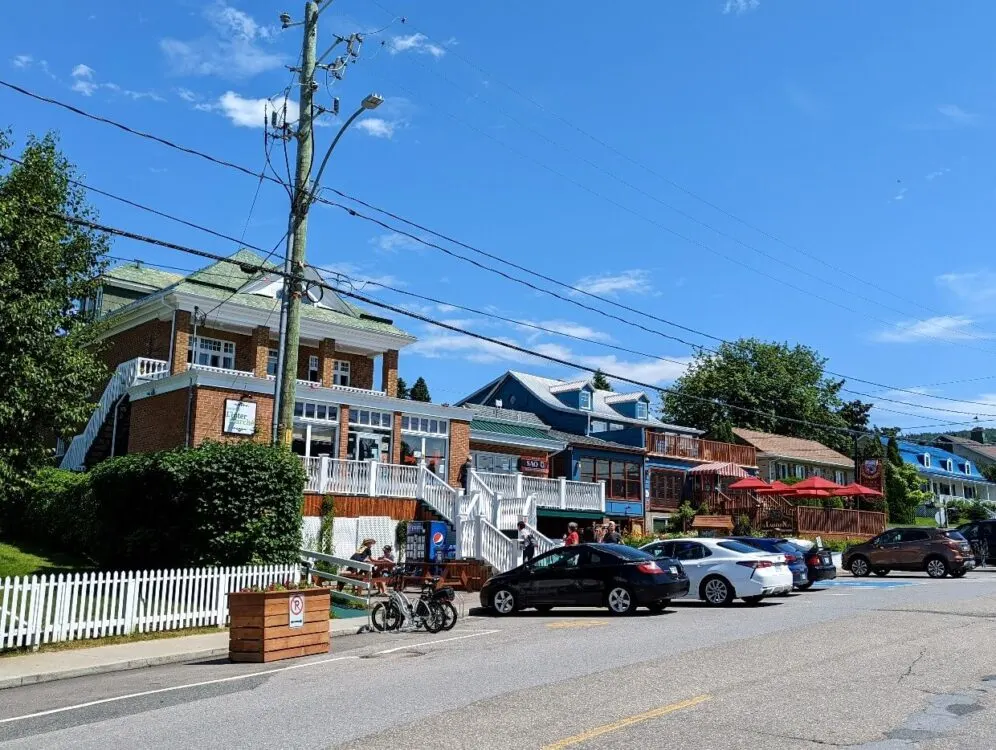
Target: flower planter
<point>261,628</point>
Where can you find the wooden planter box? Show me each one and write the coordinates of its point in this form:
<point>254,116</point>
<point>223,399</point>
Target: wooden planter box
<point>261,625</point>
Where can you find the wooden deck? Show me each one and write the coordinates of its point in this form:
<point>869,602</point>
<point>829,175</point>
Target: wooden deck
<point>682,446</point>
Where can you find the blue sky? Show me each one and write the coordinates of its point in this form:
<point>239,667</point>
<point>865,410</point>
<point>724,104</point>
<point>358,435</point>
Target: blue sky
<point>857,136</point>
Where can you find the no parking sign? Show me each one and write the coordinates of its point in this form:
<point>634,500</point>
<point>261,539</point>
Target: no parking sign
<point>296,611</point>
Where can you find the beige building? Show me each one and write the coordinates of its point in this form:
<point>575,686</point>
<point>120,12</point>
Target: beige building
<point>781,457</point>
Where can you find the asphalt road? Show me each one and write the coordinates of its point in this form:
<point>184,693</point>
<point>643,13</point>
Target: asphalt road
<point>900,663</point>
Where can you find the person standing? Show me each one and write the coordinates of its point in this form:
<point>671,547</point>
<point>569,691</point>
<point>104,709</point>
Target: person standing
<point>572,535</point>
<point>465,474</point>
<point>588,534</point>
<point>611,535</point>
<point>527,543</point>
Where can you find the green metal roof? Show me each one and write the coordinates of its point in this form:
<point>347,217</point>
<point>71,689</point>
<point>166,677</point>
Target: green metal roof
<point>504,428</point>
<point>572,514</point>
<point>219,280</point>
<point>142,274</point>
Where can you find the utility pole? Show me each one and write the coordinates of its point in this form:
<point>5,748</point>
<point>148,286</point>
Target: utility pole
<point>293,286</point>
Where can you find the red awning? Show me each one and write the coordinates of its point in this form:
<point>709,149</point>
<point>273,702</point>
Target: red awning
<point>722,468</point>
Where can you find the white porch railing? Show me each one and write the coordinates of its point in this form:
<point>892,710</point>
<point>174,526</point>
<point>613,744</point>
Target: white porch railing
<point>220,370</point>
<point>550,493</point>
<point>543,544</point>
<point>492,546</point>
<point>125,376</point>
<point>397,480</point>
<point>438,495</point>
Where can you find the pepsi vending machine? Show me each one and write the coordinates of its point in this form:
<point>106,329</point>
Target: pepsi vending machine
<point>430,541</point>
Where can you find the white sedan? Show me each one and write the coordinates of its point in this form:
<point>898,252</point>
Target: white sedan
<point>721,570</point>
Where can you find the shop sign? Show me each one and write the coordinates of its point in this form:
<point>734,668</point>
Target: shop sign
<point>240,417</point>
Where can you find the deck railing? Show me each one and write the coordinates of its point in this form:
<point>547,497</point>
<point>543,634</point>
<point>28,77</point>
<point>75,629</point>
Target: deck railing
<point>683,446</point>
<point>549,493</point>
<point>839,522</point>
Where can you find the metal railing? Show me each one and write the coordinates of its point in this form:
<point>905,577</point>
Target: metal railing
<point>126,375</point>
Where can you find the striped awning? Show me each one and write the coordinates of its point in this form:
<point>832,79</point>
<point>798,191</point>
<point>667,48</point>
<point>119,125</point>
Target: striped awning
<point>722,468</point>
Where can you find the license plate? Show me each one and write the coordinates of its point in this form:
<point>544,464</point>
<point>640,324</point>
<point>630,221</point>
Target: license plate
<point>674,570</point>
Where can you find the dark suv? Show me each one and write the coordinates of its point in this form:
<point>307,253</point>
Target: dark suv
<point>982,536</point>
<point>937,551</point>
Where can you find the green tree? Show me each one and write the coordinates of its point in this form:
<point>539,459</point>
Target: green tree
<point>855,414</point>
<point>685,515</point>
<point>764,382</point>
<point>49,370</point>
<point>903,492</point>
<point>403,391</point>
<point>420,391</point>
<point>600,382</point>
<point>989,472</point>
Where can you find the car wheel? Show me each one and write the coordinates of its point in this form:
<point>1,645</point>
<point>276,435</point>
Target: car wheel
<point>936,567</point>
<point>503,602</point>
<point>805,586</point>
<point>752,600</point>
<point>543,608</point>
<point>620,601</point>
<point>716,591</point>
<point>659,606</point>
<point>958,573</point>
<point>880,572</point>
<point>860,567</point>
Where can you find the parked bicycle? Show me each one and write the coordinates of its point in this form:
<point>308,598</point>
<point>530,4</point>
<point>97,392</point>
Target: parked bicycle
<point>433,610</point>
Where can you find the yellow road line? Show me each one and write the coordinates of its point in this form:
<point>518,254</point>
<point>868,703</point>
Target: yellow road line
<point>627,722</point>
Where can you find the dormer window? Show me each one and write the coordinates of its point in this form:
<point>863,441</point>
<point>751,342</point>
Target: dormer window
<point>641,410</point>
<point>948,465</point>
<point>968,467</point>
<point>584,400</point>
<point>926,460</point>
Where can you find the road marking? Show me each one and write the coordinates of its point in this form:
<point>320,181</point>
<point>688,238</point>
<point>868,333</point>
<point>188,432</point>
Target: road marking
<point>433,643</point>
<point>142,694</point>
<point>615,726</point>
<point>576,624</point>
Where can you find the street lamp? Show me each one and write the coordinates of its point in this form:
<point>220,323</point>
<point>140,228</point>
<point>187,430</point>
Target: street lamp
<point>369,103</point>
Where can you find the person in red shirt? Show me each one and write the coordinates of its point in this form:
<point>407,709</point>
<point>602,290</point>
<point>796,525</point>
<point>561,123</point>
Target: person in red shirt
<point>572,534</point>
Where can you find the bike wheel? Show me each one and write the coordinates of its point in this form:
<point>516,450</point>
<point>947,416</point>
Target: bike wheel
<point>432,616</point>
<point>449,614</point>
<point>385,616</point>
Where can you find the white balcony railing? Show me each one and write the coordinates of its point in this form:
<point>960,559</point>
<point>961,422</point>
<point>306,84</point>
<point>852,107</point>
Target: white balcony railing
<point>549,493</point>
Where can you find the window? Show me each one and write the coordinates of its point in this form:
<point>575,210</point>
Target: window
<point>316,411</point>
<point>584,399</point>
<point>340,372</point>
<point>735,546</point>
<point>800,471</point>
<point>838,476</point>
<point>948,465</point>
<point>641,410</point>
<point>616,426</point>
<point>926,460</point>
<point>783,471</point>
<point>427,425</point>
<point>665,487</point>
<point>969,492</point>
<point>314,370</point>
<point>272,355</point>
<point>622,478</point>
<point>599,425</point>
<point>913,535</point>
<point>365,417</point>
<point>944,489</point>
<point>495,463</point>
<point>690,551</point>
<point>968,467</point>
<point>562,558</point>
<point>211,352</point>
<point>772,472</point>
<point>889,537</point>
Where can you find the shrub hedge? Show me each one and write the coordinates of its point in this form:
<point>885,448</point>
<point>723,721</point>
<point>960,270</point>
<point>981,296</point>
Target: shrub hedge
<point>217,504</point>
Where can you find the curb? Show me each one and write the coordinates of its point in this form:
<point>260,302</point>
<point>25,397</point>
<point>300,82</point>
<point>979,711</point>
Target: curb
<point>129,664</point>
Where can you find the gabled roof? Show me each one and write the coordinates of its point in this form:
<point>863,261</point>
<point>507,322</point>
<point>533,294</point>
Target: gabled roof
<point>913,453</point>
<point>782,446</point>
<point>982,449</point>
<point>499,414</point>
<point>224,281</point>
<point>574,385</point>
<point>543,389</point>
<point>624,398</point>
<point>139,274</point>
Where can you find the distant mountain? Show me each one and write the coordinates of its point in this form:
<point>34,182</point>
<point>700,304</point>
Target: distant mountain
<point>929,437</point>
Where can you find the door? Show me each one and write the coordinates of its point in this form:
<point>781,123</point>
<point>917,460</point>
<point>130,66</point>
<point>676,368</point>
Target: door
<point>884,550</point>
<point>914,545</point>
<point>367,447</point>
<point>987,534</point>
<point>692,556</point>
<point>552,578</point>
<point>592,578</point>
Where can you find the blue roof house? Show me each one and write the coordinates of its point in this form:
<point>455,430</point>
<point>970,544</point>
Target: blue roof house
<point>948,475</point>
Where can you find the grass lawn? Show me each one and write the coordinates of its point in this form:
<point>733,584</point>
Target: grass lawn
<point>22,559</point>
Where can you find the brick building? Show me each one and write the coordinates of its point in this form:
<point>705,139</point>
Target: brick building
<point>194,358</point>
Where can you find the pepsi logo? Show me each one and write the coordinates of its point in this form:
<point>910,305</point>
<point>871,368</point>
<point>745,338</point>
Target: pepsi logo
<point>438,537</point>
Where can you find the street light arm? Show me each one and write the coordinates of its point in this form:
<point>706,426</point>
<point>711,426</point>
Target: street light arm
<point>318,177</point>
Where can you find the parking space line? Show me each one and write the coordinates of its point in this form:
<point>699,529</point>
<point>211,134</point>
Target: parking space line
<point>433,643</point>
<point>629,721</point>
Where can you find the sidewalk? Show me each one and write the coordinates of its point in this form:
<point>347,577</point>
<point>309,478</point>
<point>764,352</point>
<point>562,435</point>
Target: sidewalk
<point>16,671</point>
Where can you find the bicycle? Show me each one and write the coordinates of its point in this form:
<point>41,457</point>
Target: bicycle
<point>400,613</point>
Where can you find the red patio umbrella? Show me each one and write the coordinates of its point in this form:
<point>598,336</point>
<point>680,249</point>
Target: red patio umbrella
<point>775,488</point>
<point>750,483</point>
<point>858,490</point>
<point>809,493</point>
<point>817,483</point>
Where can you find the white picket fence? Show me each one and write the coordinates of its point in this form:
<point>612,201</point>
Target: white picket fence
<point>46,609</point>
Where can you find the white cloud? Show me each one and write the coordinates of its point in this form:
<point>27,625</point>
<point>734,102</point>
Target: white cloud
<point>359,277</point>
<point>249,113</point>
<point>187,95</point>
<point>635,281</point>
<point>85,83</point>
<point>22,61</point>
<point>900,194</point>
<point>975,288</point>
<point>235,49</point>
<point>957,115</point>
<point>376,127</point>
<point>936,173</point>
<point>566,327</point>
<point>739,7</point>
<point>392,242</point>
<point>949,327</point>
<point>418,43</point>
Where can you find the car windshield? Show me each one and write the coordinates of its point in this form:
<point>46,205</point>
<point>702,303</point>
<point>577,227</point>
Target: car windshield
<point>739,547</point>
<point>788,548</point>
<point>626,553</point>
<point>956,535</point>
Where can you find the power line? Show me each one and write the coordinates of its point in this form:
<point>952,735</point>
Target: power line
<point>420,227</point>
<point>729,214</point>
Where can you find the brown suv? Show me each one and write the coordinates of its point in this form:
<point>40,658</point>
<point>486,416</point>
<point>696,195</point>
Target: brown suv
<point>938,551</point>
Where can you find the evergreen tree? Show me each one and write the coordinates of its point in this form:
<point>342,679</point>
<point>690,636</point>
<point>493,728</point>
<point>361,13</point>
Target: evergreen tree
<point>403,391</point>
<point>600,382</point>
<point>420,391</point>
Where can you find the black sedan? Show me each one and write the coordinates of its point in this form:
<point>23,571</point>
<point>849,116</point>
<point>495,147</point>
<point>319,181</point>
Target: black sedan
<point>819,564</point>
<point>587,575</point>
